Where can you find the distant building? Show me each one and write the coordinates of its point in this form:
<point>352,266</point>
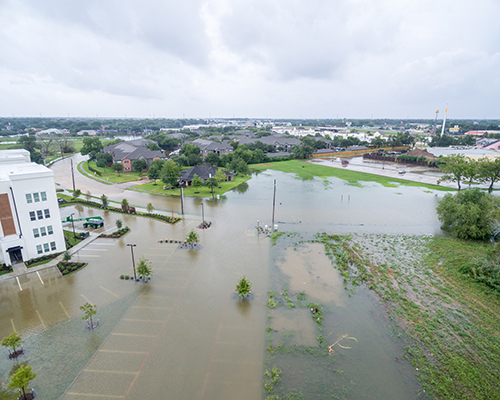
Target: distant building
<point>126,152</point>
<point>30,222</point>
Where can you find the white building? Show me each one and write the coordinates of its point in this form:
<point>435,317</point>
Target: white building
<point>30,222</point>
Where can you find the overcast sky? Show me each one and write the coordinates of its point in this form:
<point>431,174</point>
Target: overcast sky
<point>250,58</point>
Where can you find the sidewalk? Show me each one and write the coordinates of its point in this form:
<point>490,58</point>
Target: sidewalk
<point>21,269</point>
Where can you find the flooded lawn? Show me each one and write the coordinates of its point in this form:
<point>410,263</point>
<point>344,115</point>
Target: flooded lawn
<point>185,335</point>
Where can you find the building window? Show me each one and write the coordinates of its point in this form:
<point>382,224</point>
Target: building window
<point>52,246</point>
<point>39,214</point>
<point>32,216</point>
<point>36,197</point>
<point>43,232</point>
<point>46,247</point>
<point>28,198</point>
<point>35,232</point>
<point>43,196</point>
<point>47,213</point>
<point>49,230</point>
<point>39,249</point>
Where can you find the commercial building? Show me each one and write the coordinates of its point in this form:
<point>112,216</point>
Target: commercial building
<point>30,222</point>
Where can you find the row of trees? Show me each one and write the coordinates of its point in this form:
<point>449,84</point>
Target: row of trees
<point>459,168</point>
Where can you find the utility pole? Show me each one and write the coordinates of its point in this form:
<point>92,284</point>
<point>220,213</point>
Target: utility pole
<point>133,261</point>
<point>274,206</point>
<point>73,175</point>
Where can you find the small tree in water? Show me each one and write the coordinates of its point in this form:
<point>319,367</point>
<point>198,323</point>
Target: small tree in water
<point>89,310</point>
<point>144,269</point>
<point>192,238</point>
<point>119,223</point>
<point>104,200</point>
<point>21,379</point>
<point>12,341</point>
<point>150,207</point>
<point>243,287</point>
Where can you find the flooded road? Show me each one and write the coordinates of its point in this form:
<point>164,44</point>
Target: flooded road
<point>185,335</point>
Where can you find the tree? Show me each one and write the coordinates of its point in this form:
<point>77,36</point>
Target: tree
<point>150,207</point>
<point>12,341</point>
<point>29,143</point>
<point>192,238</point>
<point>77,193</point>
<point>119,223</point>
<point>103,159</point>
<point>154,171</point>
<point>91,146</point>
<point>243,287</point>
<point>104,201</point>
<point>21,379</point>
<point>88,195</point>
<point>170,173</point>
<point>67,256</point>
<point>144,269</point>
<point>242,167</point>
<point>89,310</point>
<point>303,151</point>
<point>197,181</point>
<point>469,214</point>
<point>125,202</point>
<point>192,153</point>
<point>489,171</point>
<point>455,168</point>
<point>139,164</point>
<point>117,167</point>
<point>212,159</point>
<point>220,176</point>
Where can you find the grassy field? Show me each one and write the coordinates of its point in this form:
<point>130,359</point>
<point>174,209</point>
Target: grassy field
<point>305,170</point>
<point>108,175</point>
<point>451,319</point>
<point>203,191</point>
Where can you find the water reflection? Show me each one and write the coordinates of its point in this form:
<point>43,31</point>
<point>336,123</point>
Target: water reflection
<point>244,306</point>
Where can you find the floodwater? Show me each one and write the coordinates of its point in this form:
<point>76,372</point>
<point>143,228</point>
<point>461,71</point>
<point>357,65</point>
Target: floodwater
<point>184,335</point>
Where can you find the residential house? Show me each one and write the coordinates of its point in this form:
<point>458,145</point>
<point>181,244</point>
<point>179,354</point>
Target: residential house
<point>126,152</point>
<point>204,171</point>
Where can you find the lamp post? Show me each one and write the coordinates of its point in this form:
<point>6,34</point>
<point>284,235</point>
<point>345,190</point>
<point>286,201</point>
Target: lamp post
<point>202,213</point>
<point>133,262</point>
<point>73,223</point>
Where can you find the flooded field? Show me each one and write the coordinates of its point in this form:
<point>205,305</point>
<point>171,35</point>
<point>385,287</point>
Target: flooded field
<point>185,335</point>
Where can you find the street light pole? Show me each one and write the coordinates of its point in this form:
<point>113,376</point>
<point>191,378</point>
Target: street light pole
<point>202,213</point>
<point>133,262</point>
<point>73,223</point>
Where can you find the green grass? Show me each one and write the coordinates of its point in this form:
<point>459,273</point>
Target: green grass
<point>203,191</point>
<point>108,175</point>
<point>306,171</point>
<point>452,320</point>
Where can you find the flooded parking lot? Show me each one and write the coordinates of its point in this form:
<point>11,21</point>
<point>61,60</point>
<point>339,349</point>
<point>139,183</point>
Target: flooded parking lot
<point>185,335</point>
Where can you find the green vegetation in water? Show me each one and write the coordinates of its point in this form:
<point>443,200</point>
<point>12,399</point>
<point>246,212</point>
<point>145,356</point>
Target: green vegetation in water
<point>305,170</point>
<point>442,292</point>
<point>274,236</point>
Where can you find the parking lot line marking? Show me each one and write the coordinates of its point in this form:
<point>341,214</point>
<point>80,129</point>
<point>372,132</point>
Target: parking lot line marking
<point>19,283</point>
<point>39,277</point>
<point>143,320</point>
<point>294,220</point>
<point>87,300</point>
<point>100,371</point>
<point>132,334</point>
<point>64,309</point>
<point>123,351</point>
<point>109,291</point>
<point>13,326</point>
<point>109,396</point>
<point>44,327</point>
<point>93,249</point>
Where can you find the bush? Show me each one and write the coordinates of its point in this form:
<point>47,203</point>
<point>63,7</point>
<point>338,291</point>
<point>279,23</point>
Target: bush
<point>469,214</point>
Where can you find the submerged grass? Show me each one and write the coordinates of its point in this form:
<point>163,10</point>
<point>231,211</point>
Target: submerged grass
<point>453,320</point>
<point>306,171</point>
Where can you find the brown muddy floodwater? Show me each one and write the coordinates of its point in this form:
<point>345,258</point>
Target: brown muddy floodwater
<point>185,335</point>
